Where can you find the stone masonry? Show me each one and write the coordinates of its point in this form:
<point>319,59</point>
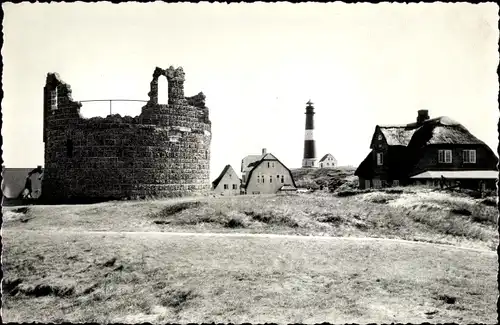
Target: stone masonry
<point>163,152</point>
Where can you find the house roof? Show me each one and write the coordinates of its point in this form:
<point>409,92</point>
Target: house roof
<point>263,158</point>
<point>452,134</point>
<point>440,130</point>
<point>458,174</point>
<point>224,171</point>
<point>397,135</point>
<point>248,160</point>
<point>14,179</point>
<point>326,156</point>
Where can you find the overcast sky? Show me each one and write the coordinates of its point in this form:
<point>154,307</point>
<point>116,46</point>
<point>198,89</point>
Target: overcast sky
<point>258,64</point>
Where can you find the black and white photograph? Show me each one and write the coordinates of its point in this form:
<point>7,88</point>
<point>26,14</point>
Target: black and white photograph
<point>250,162</point>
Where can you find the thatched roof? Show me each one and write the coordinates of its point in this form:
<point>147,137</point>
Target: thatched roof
<point>440,130</point>
<point>397,135</point>
<point>456,134</point>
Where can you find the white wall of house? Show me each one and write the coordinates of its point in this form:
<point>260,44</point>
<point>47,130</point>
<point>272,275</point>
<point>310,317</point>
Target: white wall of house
<point>268,177</point>
<point>329,162</point>
<point>229,184</point>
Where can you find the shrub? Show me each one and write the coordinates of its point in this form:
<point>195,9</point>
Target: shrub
<point>463,212</point>
<point>489,201</point>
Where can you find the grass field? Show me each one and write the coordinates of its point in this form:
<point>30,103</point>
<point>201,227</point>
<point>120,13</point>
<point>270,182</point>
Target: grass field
<point>116,261</point>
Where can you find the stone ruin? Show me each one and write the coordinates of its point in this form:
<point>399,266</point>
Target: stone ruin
<point>163,152</point>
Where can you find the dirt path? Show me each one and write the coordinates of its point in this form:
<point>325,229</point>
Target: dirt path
<point>298,237</point>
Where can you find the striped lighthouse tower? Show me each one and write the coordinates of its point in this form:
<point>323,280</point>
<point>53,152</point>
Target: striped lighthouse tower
<point>309,145</point>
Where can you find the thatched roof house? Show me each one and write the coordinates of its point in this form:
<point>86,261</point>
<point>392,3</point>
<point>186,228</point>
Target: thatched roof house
<point>404,153</point>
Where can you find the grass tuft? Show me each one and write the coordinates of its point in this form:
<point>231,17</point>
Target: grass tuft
<point>176,298</point>
<point>42,289</point>
<point>175,208</point>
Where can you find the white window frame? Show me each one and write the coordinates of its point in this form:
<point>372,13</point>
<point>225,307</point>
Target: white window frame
<point>469,156</point>
<point>226,186</point>
<point>380,158</point>
<point>443,156</point>
<point>235,186</point>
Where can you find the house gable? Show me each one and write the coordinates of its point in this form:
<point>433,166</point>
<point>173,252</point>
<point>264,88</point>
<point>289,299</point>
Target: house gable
<point>227,181</point>
<point>261,166</point>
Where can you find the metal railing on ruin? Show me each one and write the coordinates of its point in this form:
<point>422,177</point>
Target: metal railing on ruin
<point>111,101</point>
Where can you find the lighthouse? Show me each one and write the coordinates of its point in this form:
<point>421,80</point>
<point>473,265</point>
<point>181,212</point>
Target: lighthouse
<point>309,159</point>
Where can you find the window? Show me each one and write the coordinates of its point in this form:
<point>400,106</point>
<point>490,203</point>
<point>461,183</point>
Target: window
<point>380,158</point>
<point>268,164</point>
<point>469,156</point>
<point>380,136</point>
<point>258,179</point>
<point>226,186</point>
<point>377,183</point>
<point>273,165</point>
<point>395,182</point>
<point>327,164</point>
<point>53,99</point>
<point>444,156</point>
<point>270,179</point>
<point>282,179</point>
<point>262,179</point>
<point>235,186</point>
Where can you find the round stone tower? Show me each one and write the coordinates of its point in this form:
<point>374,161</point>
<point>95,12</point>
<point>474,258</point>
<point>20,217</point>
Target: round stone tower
<point>163,152</point>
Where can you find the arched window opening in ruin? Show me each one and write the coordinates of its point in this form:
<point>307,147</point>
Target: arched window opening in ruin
<point>162,90</point>
<point>69,148</point>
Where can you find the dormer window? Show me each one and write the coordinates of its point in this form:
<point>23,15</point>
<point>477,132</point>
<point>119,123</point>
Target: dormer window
<point>444,156</point>
<point>469,156</point>
<point>379,137</point>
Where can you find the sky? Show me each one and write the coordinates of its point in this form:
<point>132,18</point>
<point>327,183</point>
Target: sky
<point>258,64</point>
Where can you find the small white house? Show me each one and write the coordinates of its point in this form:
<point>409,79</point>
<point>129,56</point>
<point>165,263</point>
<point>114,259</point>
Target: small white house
<point>228,183</point>
<point>328,161</point>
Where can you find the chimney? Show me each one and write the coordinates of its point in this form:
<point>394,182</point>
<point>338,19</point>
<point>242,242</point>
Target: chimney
<point>264,151</point>
<point>423,115</point>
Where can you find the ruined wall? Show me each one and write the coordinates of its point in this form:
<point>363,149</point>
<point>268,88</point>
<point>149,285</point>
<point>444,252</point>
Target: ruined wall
<point>163,152</point>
